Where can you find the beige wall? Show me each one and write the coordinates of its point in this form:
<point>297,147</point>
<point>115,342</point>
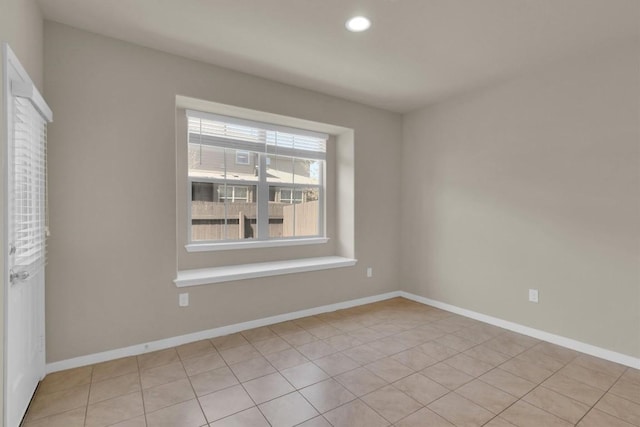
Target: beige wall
<point>533,183</point>
<point>20,26</point>
<point>112,161</point>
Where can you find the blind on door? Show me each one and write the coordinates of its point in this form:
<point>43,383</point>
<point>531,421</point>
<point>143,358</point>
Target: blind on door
<point>29,202</point>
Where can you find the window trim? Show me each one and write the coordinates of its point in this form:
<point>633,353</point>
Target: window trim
<point>229,273</point>
<point>254,244</point>
<point>340,207</point>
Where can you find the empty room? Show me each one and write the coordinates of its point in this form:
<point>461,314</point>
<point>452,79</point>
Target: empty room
<point>320,213</point>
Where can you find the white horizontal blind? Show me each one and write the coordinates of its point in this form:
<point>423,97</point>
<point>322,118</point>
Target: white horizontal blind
<point>29,180</point>
<point>239,134</point>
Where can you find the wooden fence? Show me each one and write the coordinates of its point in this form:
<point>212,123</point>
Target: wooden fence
<point>285,220</point>
<point>300,219</point>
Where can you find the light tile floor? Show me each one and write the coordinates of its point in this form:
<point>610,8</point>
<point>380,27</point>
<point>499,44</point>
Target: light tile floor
<point>394,362</point>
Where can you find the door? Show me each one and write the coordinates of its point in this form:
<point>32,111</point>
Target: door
<point>25,228</point>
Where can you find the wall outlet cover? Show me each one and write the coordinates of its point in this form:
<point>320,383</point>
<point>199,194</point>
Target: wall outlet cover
<point>183,300</point>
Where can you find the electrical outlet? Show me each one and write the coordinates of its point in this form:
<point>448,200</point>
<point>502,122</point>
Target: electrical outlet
<point>369,272</point>
<point>533,295</point>
<point>183,300</point>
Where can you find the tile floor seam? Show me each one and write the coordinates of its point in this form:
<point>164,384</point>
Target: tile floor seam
<point>578,381</point>
<point>144,410</point>
<point>601,397</point>
<point>86,409</point>
<point>161,409</point>
<point>192,387</point>
<point>544,410</point>
<point>564,395</point>
<point>312,405</point>
<point>620,397</point>
<point>527,379</point>
<point>114,398</point>
<point>359,324</point>
<point>592,386</point>
<point>276,397</point>
<point>517,398</point>
<point>341,373</point>
<point>245,390</point>
<point>376,389</point>
<point>505,409</point>
<point>491,419</point>
<point>549,412</point>
<point>406,416</point>
<point>439,414</point>
<point>368,406</point>
<point>580,419</point>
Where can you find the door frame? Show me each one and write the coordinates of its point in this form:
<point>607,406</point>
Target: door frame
<point>12,69</point>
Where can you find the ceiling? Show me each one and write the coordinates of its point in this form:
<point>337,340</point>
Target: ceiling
<point>416,52</point>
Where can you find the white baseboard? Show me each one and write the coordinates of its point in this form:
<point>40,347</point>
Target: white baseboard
<point>592,350</point>
<point>134,350</point>
<point>137,349</point>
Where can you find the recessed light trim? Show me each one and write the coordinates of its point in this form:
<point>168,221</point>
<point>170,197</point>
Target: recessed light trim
<point>358,24</point>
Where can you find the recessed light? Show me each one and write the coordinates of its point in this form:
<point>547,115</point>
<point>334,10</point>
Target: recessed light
<point>358,23</point>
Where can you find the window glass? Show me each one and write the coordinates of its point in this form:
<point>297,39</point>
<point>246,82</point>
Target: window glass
<point>222,212</point>
<point>230,191</point>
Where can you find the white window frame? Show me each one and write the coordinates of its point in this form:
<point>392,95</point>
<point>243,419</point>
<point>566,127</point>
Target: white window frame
<point>233,197</point>
<point>293,191</point>
<point>240,154</point>
<point>261,197</point>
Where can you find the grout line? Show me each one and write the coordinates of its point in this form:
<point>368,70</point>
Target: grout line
<point>191,384</point>
<point>546,410</point>
<point>144,409</point>
<point>242,385</point>
<point>370,407</point>
<point>364,322</point>
<point>601,397</point>
<point>86,409</point>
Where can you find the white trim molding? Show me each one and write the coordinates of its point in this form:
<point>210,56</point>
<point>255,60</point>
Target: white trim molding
<point>572,344</point>
<point>204,276</point>
<point>135,350</point>
<point>253,244</point>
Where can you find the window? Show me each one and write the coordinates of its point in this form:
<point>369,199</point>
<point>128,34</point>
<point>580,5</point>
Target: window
<point>242,157</point>
<point>289,195</point>
<point>253,181</point>
<point>233,193</point>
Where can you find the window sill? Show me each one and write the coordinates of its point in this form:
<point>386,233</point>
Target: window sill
<point>210,247</point>
<point>230,273</point>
